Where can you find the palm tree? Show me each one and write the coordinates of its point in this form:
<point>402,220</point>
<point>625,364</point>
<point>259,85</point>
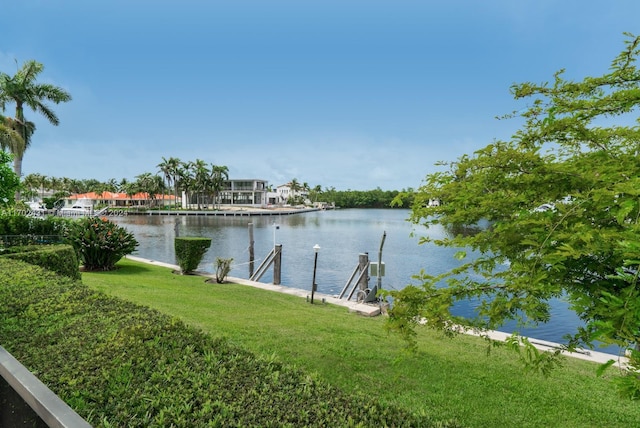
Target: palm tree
<point>294,187</point>
<point>219,174</point>
<point>111,185</point>
<point>201,179</point>
<point>306,189</point>
<point>316,192</point>
<point>184,181</point>
<point>10,139</point>
<point>150,184</point>
<point>22,89</point>
<point>169,168</point>
<point>54,184</point>
<point>33,183</point>
<point>15,135</point>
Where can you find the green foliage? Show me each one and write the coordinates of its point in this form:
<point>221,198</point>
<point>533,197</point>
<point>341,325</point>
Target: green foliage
<point>560,204</point>
<point>223,267</point>
<point>99,243</point>
<point>453,379</point>
<point>119,364</point>
<point>17,227</point>
<point>9,181</point>
<point>376,198</point>
<point>189,252</point>
<point>23,90</point>
<point>61,259</point>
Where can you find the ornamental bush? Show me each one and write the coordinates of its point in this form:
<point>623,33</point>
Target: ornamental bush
<point>223,267</point>
<point>189,252</point>
<point>99,243</point>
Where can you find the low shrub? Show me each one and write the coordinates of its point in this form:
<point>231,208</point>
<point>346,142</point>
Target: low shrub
<point>189,252</point>
<point>99,243</point>
<point>223,267</point>
<point>61,258</point>
<point>122,365</point>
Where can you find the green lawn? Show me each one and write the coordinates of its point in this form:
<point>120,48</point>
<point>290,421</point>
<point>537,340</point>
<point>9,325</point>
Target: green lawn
<point>447,379</point>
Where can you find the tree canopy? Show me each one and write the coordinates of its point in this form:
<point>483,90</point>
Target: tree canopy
<point>22,89</point>
<point>551,213</point>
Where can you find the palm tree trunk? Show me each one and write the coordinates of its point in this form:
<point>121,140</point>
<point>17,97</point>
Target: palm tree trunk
<point>17,168</point>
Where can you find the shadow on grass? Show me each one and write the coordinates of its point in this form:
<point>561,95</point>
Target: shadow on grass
<point>124,269</point>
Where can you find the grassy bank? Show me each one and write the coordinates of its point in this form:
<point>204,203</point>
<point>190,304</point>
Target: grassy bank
<point>446,379</point>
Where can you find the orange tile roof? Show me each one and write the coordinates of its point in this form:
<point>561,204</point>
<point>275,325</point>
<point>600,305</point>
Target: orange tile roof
<point>110,196</point>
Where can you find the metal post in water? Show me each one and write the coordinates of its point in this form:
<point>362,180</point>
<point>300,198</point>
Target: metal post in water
<point>384,235</point>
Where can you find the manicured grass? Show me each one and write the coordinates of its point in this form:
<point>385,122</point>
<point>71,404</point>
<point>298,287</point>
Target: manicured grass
<point>447,379</point>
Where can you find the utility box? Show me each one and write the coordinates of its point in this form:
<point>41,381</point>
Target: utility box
<point>373,269</point>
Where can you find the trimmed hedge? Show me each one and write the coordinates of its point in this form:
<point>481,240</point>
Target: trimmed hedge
<point>189,252</point>
<point>15,223</point>
<point>120,364</point>
<point>59,258</point>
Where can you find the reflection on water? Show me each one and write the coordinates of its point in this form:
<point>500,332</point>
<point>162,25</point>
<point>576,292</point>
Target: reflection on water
<point>341,234</point>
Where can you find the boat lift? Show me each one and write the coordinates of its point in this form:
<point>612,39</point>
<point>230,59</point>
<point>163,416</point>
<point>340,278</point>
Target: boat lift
<point>364,294</point>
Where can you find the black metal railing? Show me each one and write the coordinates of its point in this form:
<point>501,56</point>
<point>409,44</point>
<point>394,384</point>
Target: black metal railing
<point>17,240</point>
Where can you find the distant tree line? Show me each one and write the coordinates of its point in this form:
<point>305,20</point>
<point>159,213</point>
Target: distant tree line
<point>202,183</point>
<point>376,198</point>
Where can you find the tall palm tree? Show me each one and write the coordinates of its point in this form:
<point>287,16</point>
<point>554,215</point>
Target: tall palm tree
<point>219,174</point>
<point>294,187</point>
<point>169,169</point>
<point>184,181</point>
<point>23,90</point>
<point>306,189</point>
<point>316,192</point>
<point>201,179</point>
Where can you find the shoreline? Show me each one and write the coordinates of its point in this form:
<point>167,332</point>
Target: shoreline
<point>225,211</point>
<point>375,310</point>
<point>232,211</point>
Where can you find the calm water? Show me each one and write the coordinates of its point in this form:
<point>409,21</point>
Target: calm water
<point>341,234</point>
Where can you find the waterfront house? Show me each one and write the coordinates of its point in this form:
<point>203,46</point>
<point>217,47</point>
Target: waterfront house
<point>121,200</point>
<point>249,192</point>
<point>284,194</point>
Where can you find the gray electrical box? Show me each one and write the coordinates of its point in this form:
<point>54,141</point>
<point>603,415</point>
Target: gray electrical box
<point>373,269</point>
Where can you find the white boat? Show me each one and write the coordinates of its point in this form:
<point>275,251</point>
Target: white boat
<point>36,209</point>
<point>81,207</point>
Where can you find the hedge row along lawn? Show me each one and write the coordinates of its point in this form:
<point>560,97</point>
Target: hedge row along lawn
<point>449,379</point>
<point>120,364</point>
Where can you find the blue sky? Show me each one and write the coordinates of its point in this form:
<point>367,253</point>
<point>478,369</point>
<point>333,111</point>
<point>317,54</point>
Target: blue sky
<point>350,94</point>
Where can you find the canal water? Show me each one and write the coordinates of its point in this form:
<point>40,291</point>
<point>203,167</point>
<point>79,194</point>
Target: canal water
<point>342,235</point>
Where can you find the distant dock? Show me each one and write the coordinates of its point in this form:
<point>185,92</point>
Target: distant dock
<point>236,212</point>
